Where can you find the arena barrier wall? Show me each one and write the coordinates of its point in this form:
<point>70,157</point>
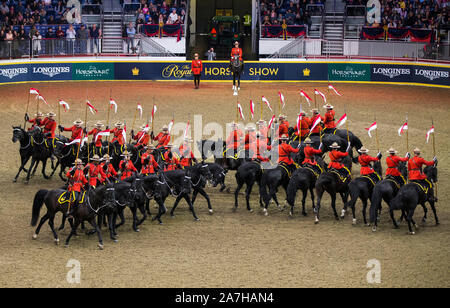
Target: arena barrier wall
<point>304,71</point>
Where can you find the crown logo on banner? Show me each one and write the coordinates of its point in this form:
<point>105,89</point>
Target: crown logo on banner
<point>306,72</point>
<point>135,71</point>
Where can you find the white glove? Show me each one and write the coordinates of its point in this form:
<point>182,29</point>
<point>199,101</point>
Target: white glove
<point>408,155</point>
<point>320,146</point>
<point>348,147</point>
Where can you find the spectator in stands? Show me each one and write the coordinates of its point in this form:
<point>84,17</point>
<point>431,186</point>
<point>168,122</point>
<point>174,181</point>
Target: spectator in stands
<point>70,38</point>
<point>131,33</point>
<point>173,17</point>
<point>210,54</point>
<point>60,39</point>
<point>50,41</point>
<point>94,33</point>
<point>59,10</point>
<point>82,38</point>
<point>36,43</point>
<point>4,8</point>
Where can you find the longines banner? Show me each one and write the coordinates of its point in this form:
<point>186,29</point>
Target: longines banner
<point>220,71</point>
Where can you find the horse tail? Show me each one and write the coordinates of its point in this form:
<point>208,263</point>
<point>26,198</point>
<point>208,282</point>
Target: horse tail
<point>375,202</point>
<point>37,204</point>
<point>293,187</point>
<point>354,193</point>
<point>263,188</point>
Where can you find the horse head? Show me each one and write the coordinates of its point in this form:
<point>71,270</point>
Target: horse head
<point>403,169</point>
<point>204,171</point>
<point>60,148</point>
<point>431,173</point>
<point>109,198</point>
<point>18,133</point>
<point>378,168</point>
<point>218,177</point>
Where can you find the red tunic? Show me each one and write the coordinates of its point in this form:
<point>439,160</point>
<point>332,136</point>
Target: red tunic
<point>35,121</point>
<point>392,163</point>
<point>171,163</point>
<point>415,168</point>
<point>249,141</point>
<point>128,170</point>
<point>309,155</point>
<point>76,181</point>
<point>336,157</point>
<point>364,161</point>
<point>96,174</point>
<point>196,67</point>
<point>284,151</point>
<point>118,135</point>
<point>151,166</point>
<point>186,156</point>
<point>236,52</point>
<point>328,120</point>
<point>109,173</point>
<point>49,127</point>
<point>163,140</point>
<point>77,132</point>
<point>234,140</point>
<point>305,124</point>
<point>283,129</point>
<point>260,149</point>
<point>94,133</point>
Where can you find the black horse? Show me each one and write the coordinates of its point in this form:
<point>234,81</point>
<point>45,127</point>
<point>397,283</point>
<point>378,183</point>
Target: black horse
<point>248,173</point>
<point>86,210</point>
<point>386,190</point>
<point>304,179</point>
<point>331,182</point>
<point>413,194</point>
<point>41,152</point>
<point>66,155</point>
<point>218,176</point>
<point>362,187</point>
<point>236,67</point>
<point>25,150</point>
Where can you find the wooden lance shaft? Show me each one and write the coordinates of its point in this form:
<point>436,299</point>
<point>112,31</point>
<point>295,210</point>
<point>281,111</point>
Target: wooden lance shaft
<point>434,155</point>
<point>26,112</point>
<point>376,136</point>
<point>346,125</point>
<point>407,135</point>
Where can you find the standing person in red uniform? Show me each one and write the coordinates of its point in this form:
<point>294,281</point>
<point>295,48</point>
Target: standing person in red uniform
<point>336,160</point>
<point>415,173</point>
<point>310,153</point>
<point>97,143</point>
<point>163,137</point>
<point>236,51</point>
<point>118,133</point>
<point>197,68</point>
<point>110,174</point>
<point>234,140</point>
<point>126,166</point>
<point>328,120</point>
<point>284,153</point>
<point>149,164</point>
<point>364,160</point>
<point>318,129</point>
<point>392,162</point>
<point>95,172</point>
<point>171,162</point>
<point>304,128</point>
<point>36,121</point>
<point>187,157</point>
<point>76,182</point>
<point>76,129</point>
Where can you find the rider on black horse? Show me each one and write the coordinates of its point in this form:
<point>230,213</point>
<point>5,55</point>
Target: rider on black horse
<point>415,172</point>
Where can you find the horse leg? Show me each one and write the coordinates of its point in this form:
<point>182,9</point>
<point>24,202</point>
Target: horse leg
<point>410,221</point>
<point>191,207</point>
<point>73,231</point>
<point>175,205</point>
<point>35,168</point>
<point>391,213</point>
<point>333,205</point>
<point>54,169</point>
<point>43,220</point>
<point>99,233</point>
<point>248,191</point>
<point>425,212</point>
<point>433,208</point>
<point>236,194</point>
<point>311,191</point>
<point>61,171</point>
<point>63,222</point>
<point>364,211</point>
<point>205,195</point>
<point>133,211</point>
<point>122,218</point>
<point>144,214</point>
<point>51,223</point>
<point>161,210</point>
<point>22,167</point>
<point>305,194</point>
<point>44,164</point>
<point>33,161</point>
<point>111,227</point>
<point>147,207</point>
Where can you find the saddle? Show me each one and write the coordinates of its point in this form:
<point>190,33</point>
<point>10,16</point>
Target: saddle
<point>344,174</point>
<point>315,169</point>
<point>236,155</point>
<point>374,178</point>
<point>68,196</point>
<point>424,185</point>
<point>399,181</point>
<point>289,168</point>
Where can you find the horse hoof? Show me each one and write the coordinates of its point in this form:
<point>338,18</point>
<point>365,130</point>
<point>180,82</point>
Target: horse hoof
<point>57,241</point>
<point>196,219</point>
<point>137,230</point>
<point>316,221</point>
<point>416,226</point>
<point>374,229</point>
<point>35,236</point>
<point>26,182</point>
<point>211,212</point>
<point>291,214</point>
<point>250,210</point>
<point>353,221</point>
<point>66,246</point>
<point>100,246</point>
<point>15,180</point>
<point>304,214</point>
<point>412,233</point>
<point>367,225</point>
<point>437,223</point>
<point>115,241</point>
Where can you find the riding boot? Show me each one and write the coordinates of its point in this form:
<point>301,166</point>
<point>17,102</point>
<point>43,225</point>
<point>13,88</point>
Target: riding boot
<point>73,204</point>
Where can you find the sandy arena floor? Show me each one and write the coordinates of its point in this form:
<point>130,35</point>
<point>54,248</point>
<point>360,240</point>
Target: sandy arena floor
<point>230,249</point>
